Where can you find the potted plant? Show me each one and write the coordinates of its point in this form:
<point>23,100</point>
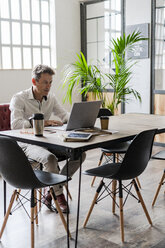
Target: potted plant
<point>92,79</point>
<point>123,70</point>
<point>89,76</point>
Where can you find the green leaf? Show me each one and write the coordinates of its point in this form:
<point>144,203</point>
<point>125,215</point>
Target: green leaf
<point>80,73</point>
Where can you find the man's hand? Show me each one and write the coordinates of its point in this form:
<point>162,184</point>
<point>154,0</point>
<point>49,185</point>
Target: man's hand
<point>52,123</point>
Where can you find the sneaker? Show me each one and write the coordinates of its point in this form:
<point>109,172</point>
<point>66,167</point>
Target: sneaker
<point>48,202</point>
<point>63,203</point>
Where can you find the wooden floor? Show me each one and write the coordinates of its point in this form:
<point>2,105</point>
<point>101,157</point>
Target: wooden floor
<point>103,229</point>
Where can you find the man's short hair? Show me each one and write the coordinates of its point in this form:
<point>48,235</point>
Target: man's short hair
<point>39,69</point>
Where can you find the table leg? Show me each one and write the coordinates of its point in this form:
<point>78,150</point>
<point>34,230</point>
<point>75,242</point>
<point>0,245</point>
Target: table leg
<point>67,198</point>
<point>4,195</point>
<point>78,204</point>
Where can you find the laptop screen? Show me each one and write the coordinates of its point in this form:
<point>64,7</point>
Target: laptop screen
<point>83,115</point>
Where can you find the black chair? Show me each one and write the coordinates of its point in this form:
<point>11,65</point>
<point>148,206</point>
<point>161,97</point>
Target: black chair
<point>17,171</point>
<point>160,156</point>
<point>40,167</point>
<point>110,153</point>
<point>133,164</point>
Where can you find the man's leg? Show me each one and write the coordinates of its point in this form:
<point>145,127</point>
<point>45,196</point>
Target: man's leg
<point>73,166</point>
<point>50,164</point>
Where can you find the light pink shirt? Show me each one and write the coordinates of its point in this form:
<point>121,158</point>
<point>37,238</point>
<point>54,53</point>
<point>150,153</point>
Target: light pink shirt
<point>23,105</point>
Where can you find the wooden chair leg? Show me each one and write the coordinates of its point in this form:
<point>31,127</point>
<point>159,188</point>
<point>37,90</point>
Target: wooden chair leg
<point>8,212</point>
<point>117,157</point>
<point>68,192</point>
<point>121,211</point>
<point>158,189</point>
<point>141,201</point>
<point>19,191</point>
<point>90,210</point>
<point>138,182</point>
<point>93,202</point>
<point>114,183</point>
<point>59,210</point>
<point>100,161</point>
<point>93,180</point>
<point>36,207</point>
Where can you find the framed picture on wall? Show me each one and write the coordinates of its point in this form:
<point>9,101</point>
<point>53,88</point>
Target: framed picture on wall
<point>141,49</point>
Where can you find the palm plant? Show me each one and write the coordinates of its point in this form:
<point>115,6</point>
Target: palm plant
<point>120,79</point>
<point>92,79</point>
<point>89,76</point>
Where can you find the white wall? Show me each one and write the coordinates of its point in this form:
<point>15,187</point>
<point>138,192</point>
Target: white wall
<point>67,44</point>
<point>67,39</point>
<point>137,12</point>
<point>12,81</point>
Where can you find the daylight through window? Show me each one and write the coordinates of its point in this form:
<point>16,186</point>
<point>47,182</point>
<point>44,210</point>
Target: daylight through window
<point>24,33</point>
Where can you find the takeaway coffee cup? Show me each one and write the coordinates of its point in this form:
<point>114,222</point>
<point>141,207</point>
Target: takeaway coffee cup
<point>104,120</point>
<point>38,123</point>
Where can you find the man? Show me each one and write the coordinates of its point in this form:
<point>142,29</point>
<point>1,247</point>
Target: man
<point>38,99</point>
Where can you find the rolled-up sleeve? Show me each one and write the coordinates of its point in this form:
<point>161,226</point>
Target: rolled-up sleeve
<point>17,113</point>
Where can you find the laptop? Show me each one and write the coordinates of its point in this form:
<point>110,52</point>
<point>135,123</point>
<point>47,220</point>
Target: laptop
<point>83,115</point>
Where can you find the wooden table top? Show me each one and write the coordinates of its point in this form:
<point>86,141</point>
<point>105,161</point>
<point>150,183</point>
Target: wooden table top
<point>126,125</point>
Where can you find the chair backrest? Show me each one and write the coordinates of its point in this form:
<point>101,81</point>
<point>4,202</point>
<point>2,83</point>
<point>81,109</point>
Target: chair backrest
<point>137,155</point>
<point>14,165</point>
<point>4,117</point>
<point>104,112</point>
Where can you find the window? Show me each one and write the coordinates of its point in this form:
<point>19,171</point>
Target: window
<point>25,38</point>
<point>159,46</point>
<point>103,22</point>
<point>158,61</point>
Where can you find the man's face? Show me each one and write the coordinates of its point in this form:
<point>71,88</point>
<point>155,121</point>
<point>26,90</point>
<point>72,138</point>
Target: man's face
<point>42,86</point>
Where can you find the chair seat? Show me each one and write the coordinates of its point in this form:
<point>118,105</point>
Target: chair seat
<point>49,179</point>
<point>117,148</point>
<point>105,171</point>
<point>160,155</point>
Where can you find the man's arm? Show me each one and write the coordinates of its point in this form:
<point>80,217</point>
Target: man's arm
<point>52,123</point>
<point>17,119</point>
<point>60,111</point>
